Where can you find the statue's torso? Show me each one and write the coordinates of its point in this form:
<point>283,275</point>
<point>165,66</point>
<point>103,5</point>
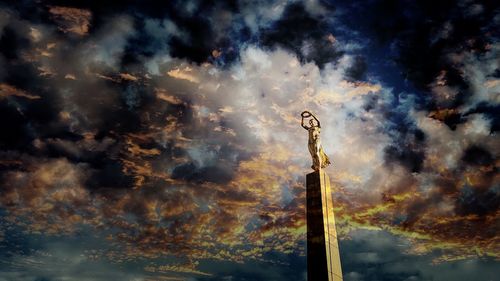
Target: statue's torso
<point>314,140</point>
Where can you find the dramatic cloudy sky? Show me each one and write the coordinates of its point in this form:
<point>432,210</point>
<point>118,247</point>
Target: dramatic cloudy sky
<point>147,141</point>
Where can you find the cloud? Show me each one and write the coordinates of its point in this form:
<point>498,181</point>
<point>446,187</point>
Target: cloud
<point>71,19</point>
<point>68,259</point>
<point>397,265</point>
<point>7,90</point>
<point>302,33</point>
<point>144,134</point>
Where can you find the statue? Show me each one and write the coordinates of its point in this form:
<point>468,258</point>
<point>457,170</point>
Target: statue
<point>319,158</point>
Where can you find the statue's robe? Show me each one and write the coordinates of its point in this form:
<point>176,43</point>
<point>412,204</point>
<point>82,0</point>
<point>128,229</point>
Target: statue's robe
<point>320,159</point>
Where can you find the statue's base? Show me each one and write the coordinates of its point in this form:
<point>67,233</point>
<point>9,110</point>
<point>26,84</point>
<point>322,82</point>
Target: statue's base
<point>323,259</point>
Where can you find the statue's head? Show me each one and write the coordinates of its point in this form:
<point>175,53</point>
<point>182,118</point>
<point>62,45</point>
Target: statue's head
<point>313,123</point>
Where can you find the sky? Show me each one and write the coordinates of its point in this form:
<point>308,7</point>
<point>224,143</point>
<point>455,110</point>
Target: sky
<point>161,140</point>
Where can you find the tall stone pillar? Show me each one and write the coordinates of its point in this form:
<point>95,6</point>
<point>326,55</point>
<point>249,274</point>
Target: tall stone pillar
<point>323,259</point>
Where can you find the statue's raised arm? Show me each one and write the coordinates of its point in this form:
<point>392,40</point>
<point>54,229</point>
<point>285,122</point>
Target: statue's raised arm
<point>319,158</point>
<point>317,121</point>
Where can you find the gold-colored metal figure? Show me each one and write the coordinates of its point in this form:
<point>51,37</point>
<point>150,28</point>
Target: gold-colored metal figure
<point>319,158</point>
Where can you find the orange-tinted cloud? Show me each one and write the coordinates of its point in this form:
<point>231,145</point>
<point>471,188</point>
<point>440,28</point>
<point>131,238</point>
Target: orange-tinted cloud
<point>7,90</point>
<point>72,20</point>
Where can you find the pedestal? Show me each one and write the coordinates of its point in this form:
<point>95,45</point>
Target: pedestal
<point>323,259</point>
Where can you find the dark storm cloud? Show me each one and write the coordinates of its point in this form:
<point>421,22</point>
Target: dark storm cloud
<point>13,41</point>
<point>44,125</point>
<point>491,111</point>
<point>191,172</point>
<point>200,31</point>
<point>357,70</point>
<point>426,34</point>
<point>28,117</point>
<point>412,159</point>
<point>476,155</point>
<point>478,202</point>
<point>408,148</point>
<point>304,34</point>
<point>425,48</point>
<point>72,102</point>
<point>192,31</point>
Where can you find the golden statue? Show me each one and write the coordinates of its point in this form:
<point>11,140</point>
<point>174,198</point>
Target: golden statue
<point>319,158</point>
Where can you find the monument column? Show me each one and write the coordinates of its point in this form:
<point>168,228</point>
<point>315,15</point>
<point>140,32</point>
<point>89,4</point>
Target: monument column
<point>323,258</point>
